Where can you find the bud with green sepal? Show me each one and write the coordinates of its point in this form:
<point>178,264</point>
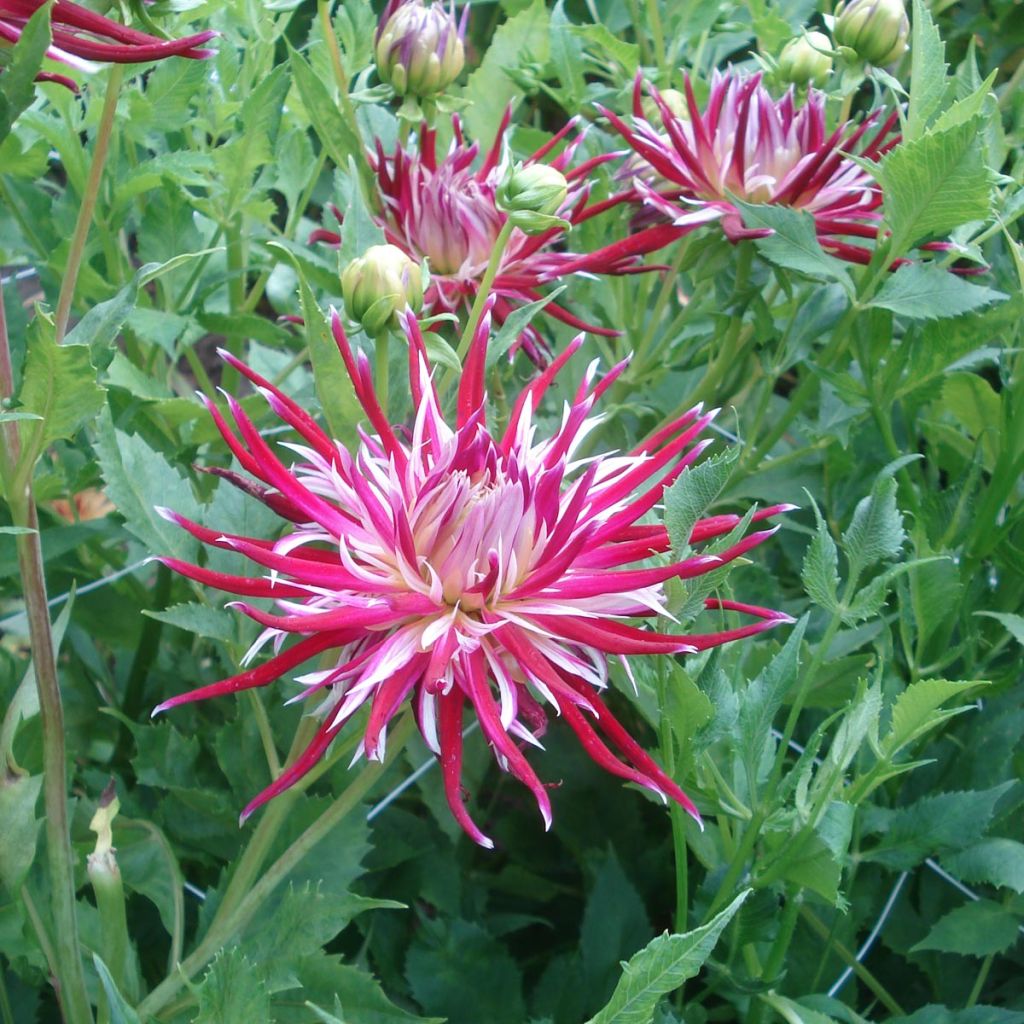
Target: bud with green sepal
<point>419,48</point>
<point>531,195</point>
<point>875,30</point>
<point>806,60</point>
<point>379,285</point>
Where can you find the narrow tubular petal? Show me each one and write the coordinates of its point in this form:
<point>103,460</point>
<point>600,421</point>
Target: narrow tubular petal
<point>449,724</point>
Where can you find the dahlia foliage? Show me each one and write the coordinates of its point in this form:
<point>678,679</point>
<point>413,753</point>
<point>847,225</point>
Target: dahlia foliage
<point>453,566</point>
<point>748,145</point>
<point>445,211</point>
<point>81,36</point>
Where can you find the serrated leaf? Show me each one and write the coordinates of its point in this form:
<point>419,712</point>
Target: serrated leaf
<point>201,619</point>
<point>934,184</point>
<point>1013,623</point>
<point>661,967</point>
<point>231,990</point>
<point>876,529</point>
<point>920,291</point>
<point>357,995</point>
<point>820,570</point>
<point>998,862</point>
<point>17,81</point>
<point>927,72</point>
<point>979,928</point>
<point>490,89</point>
<point>688,498</point>
<point>793,243</point>
<point>919,708</point>
<point>608,45</point>
<point>138,480</point>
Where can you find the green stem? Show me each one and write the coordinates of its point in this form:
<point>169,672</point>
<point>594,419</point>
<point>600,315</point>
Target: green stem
<point>114,942</point>
<point>780,947</point>
<point>88,208</point>
<point>680,852</point>
<point>6,1012</point>
<point>235,257</point>
<point>979,981</point>
<point>658,35</point>
<point>381,342</point>
<point>484,290</point>
<point>225,926</point>
<point>667,287</point>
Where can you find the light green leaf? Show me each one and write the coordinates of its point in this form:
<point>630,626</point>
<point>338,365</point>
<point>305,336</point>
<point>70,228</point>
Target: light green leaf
<point>231,990</point>
<point>490,89</point>
<point>998,862</point>
<point>18,797</point>
<point>978,928</point>
<point>661,967</point>
<point>819,572</point>
<point>920,291</point>
<point>201,619</point>
<point>919,709</point>
<point>876,530</point>
<point>970,106</point>
<point>934,184</point>
<point>1013,623</point>
<point>120,1010</point>
<point>360,230</point>
<point>514,324</point>
<point>927,72</point>
<point>20,66</point>
<point>933,1014</point>
<point>689,497</point>
<point>608,45</point>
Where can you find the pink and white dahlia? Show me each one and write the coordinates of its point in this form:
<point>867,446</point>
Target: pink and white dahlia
<point>445,211</point>
<point>746,144</point>
<point>455,568</point>
<point>81,36</point>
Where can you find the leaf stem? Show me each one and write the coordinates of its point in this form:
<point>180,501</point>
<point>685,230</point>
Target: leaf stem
<point>88,208</point>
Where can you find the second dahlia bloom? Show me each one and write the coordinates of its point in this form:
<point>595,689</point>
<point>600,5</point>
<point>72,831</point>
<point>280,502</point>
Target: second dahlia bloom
<point>81,36</point>
<point>746,144</point>
<point>445,210</point>
<point>461,569</point>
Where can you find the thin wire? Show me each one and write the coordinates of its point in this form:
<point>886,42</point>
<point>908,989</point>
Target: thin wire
<point>20,275</point>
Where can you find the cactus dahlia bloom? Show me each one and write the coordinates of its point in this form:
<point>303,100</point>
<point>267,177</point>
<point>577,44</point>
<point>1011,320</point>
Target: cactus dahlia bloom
<point>457,568</point>
<point>81,36</point>
<point>761,150</point>
<point>445,211</point>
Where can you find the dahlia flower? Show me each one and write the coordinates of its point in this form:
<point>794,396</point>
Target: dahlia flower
<point>748,145</point>
<point>445,211</point>
<point>81,36</point>
<point>456,567</point>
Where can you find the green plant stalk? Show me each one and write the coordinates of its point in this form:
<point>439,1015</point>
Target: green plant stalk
<point>664,294</point>
<point>235,256</point>
<point>380,342</point>
<point>114,942</point>
<point>21,500</point>
<point>658,35</point>
<point>225,926</point>
<point>87,210</point>
<point>6,1013</point>
<point>666,744</point>
<point>340,76</point>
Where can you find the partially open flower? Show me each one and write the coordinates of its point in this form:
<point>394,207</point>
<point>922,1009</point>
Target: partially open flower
<point>458,568</point>
<point>379,285</point>
<point>805,60</point>
<point>419,48</point>
<point>81,37</point>
<point>876,30</point>
<point>746,144</point>
<point>446,211</point>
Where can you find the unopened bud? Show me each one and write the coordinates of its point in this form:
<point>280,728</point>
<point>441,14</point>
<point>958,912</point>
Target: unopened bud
<point>673,100</point>
<point>876,30</point>
<point>802,62</point>
<point>532,195</point>
<point>419,49</point>
<point>379,285</point>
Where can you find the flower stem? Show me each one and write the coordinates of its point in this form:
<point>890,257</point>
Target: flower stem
<point>658,35</point>
<point>88,207</point>
<point>666,742</point>
<point>227,924</point>
<point>381,369</point>
<point>484,290</point>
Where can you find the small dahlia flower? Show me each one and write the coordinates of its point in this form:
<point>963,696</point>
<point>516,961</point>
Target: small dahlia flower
<point>446,211</point>
<point>746,144</point>
<point>81,36</point>
<point>461,569</point>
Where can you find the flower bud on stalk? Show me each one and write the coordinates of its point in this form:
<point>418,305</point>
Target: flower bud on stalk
<point>532,195</point>
<point>876,30</point>
<point>802,62</point>
<point>673,99</point>
<point>419,49</point>
<point>379,285</point>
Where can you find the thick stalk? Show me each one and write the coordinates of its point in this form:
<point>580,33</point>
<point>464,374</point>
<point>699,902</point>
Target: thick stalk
<point>88,208</point>
<point>225,926</point>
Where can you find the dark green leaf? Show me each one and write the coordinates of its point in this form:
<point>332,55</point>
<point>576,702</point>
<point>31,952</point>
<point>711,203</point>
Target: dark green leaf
<point>978,928</point>
<point>927,72</point>
<point>998,862</point>
<point>921,291</point>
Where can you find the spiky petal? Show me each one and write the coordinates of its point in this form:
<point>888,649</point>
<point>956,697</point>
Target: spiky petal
<point>464,570</point>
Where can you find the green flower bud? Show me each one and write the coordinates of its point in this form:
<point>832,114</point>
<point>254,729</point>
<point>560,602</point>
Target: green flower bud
<point>532,195</point>
<point>673,99</point>
<point>876,30</point>
<point>380,284</point>
<point>802,62</point>
<point>419,49</point>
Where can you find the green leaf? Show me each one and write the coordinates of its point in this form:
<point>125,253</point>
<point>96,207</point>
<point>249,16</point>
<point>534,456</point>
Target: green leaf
<point>490,89</point>
<point>978,928</point>
<point>919,709</point>
<point>793,243</point>
<point>933,1014</point>
<point>927,72</point>
<point>923,291</point>
<point>138,481</point>
<point>1013,623</point>
<point>608,45</point>
<point>59,386</point>
<point>934,184</point>
<point>688,498</point>
<point>360,230</point>
<point>358,997</point>
<point>232,991</point>
<point>20,67</point>
<point>661,967</point>
<point>200,619</point>
<point>970,106</point>
<point>876,530</point>
<point>120,1010</point>
<point>514,324</point>
<point>18,797</point>
<point>998,862</point>
<point>820,570</point>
